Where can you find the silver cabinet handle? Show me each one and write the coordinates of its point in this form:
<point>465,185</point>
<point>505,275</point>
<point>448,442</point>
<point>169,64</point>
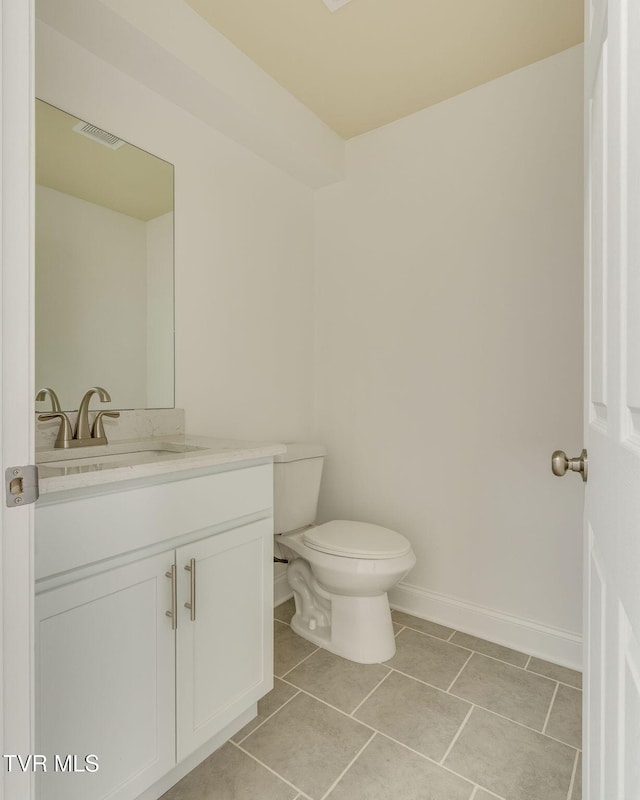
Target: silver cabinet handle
<point>191,605</point>
<point>174,597</point>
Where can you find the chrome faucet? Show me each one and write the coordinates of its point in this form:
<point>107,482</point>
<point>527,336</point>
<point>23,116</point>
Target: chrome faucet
<point>84,435</point>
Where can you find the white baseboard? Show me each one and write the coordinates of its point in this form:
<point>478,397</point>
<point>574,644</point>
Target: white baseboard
<point>281,589</point>
<point>552,644</point>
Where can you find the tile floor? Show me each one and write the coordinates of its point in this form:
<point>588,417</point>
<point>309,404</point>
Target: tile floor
<point>449,717</point>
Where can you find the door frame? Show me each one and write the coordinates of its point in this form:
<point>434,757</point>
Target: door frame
<point>16,393</point>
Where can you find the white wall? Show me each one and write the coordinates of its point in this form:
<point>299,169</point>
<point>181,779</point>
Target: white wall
<point>448,331</point>
<point>449,350</point>
<point>90,271</point>
<point>244,252</point>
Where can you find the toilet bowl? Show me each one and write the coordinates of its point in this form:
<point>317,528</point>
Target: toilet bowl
<point>340,572</point>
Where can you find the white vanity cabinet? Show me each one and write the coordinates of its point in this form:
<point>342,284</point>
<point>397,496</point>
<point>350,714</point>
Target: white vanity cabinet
<point>116,675</point>
<point>105,682</point>
<point>218,676</point>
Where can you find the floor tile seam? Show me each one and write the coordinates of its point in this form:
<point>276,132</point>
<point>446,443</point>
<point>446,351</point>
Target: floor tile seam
<point>392,739</point>
<point>349,765</point>
<point>404,627</point>
<point>431,686</point>
<point>272,771</point>
<point>553,699</point>
<point>426,683</point>
<point>334,708</point>
<point>557,680</point>
<point>510,664</point>
<point>495,644</point>
<point>479,788</point>
<point>522,725</point>
<point>573,776</point>
<point>439,639</point>
<point>260,724</point>
<point>430,760</point>
<point>381,733</point>
<point>495,658</point>
<point>455,737</point>
<point>377,686</point>
<point>298,663</point>
<point>448,690</point>
<point>479,652</point>
<point>497,713</point>
<point>432,635</point>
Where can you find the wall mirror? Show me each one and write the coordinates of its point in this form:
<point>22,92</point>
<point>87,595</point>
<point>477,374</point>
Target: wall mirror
<point>104,265</point>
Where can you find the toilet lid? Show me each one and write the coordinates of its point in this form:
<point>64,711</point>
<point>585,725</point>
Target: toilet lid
<point>356,540</point>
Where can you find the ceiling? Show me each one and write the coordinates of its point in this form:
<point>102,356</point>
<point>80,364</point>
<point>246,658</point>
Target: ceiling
<point>128,180</point>
<point>371,62</point>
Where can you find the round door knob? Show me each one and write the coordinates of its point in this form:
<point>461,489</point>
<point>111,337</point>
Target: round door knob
<point>560,463</point>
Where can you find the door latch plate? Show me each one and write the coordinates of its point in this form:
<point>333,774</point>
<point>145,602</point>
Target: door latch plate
<point>21,484</point>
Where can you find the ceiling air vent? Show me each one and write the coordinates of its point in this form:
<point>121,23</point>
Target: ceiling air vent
<point>334,5</point>
<point>98,135</point>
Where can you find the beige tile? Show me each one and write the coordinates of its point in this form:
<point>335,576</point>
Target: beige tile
<point>419,716</point>
<point>558,673</point>
<point>576,794</point>
<point>230,774</point>
<point>510,691</point>
<point>271,702</point>
<point>482,795</point>
<point>511,760</point>
<point>307,743</point>
<point>565,720</point>
<point>490,649</point>
<point>285,610</point>
<point>288,648</point>
<point>426,658</point>
<point>422,625</point>
<point>386,770</point>
<point>396,628</point>
<point>337,681</point>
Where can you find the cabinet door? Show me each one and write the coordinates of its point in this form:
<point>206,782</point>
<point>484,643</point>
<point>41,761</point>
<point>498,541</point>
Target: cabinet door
<point>225,655</point>
<point>105,682</point>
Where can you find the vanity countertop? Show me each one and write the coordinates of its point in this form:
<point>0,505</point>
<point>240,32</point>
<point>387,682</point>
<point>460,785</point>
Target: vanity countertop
<point>65,469</point>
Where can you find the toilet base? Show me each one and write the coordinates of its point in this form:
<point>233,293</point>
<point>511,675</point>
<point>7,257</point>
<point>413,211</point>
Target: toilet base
<point>360,628</point>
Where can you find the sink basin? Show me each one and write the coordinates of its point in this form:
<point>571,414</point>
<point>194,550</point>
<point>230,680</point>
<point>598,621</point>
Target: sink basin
<point>116,455</point>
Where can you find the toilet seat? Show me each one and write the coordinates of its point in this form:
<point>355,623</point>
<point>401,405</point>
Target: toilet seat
<point>356,540</point>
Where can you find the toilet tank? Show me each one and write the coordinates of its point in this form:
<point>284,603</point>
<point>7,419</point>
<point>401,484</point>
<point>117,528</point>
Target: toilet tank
<point>296,486</point>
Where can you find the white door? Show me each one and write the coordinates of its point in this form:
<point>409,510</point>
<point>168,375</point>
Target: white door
<point>16,397</point>
<point>612,398</point>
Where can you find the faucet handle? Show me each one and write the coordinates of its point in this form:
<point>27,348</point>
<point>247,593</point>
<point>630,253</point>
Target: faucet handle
<point>65,433</point>
<point>97,431</point>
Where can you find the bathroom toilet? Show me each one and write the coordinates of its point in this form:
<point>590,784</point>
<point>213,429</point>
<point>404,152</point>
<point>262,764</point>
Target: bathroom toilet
<point>341,571</point>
